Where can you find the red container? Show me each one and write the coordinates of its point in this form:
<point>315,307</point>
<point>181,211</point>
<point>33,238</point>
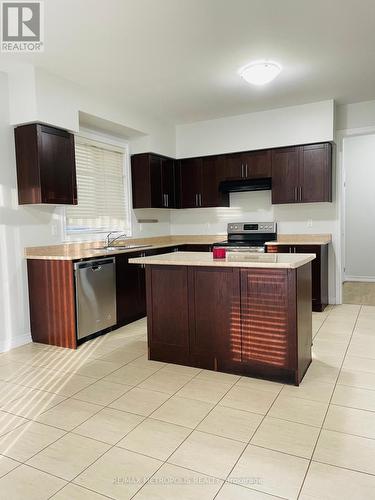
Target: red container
<point>219,252</point>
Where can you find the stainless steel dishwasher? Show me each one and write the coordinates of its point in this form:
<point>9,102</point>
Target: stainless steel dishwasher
<point>95,295</point>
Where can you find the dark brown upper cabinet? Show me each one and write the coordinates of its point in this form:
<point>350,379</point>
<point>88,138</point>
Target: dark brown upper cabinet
<point>153,181</point>
<point>199,182</point>
<point>302,174</point>
<point>249,165</point>
<point>46,171</point>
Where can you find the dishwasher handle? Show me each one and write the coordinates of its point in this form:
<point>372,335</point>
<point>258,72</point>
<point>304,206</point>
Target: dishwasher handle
<point>95,265</point>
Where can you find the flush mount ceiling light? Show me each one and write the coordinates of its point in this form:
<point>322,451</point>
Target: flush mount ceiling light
<point>260,72</point>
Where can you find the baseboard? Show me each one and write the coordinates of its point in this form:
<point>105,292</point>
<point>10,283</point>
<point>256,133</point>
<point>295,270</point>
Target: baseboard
<point>7,344</point>
<point>364,279</point>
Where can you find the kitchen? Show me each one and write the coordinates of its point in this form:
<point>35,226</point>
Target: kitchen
<point>171,279</point>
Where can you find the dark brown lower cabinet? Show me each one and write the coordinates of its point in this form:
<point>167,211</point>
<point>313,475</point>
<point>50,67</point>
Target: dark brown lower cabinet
<point>52,302</point>
<point>254,322</point>
<point>319,269</point>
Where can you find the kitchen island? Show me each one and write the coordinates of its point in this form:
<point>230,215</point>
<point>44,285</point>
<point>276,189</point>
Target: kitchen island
<point>248,314</point>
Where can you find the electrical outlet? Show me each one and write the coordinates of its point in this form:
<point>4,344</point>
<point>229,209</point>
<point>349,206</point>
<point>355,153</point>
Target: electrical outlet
<point>309,223</point>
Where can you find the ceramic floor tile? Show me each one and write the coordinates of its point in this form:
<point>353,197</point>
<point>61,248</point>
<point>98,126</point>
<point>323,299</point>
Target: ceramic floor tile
<point>121,356</point>
<point>9,422</point>
<point>309,389</point>
<point>231,423</point>
<point>74,492</point>
<point>9,392</point>
<point>102,392</point>
<point>10,370</point>
<point>183,370</point>
<point>132,374</point>
<point>204,390</point>
<point>209,454</point>
<point>345,450</point>
<point>6,465</point>
<point>155,438</point>
<point>288,437</point>
<point>332,483</point>
<point>140,401</point>
<point>97,368</point>
<point>350,421</point>
<point>355,378</point>
<point>354,397</point>
<point>258,384</point>
<point>69,414</point>
<point>64,384</point>
<point>181,411</point>
<point>33,403</point>
<point>109,425</point>
<point>163,381</point>
<point>249,399</point>
<point>27,440</point>
<point>359,363</point>
<point>69,456</point>
<point>270,472</point>
<point>119,473</point>
<point>236,492</point>
<point>171,482</point>
<point>299,410</point>
<point>223,378</point>
<point>27,483</point>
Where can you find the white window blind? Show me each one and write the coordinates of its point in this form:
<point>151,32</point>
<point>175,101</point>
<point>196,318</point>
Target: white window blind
<point>103,203</point>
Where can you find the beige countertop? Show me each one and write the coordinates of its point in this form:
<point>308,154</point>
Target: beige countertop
<point>301,239</point>
<point>76,251</point>
<point>233,259</point>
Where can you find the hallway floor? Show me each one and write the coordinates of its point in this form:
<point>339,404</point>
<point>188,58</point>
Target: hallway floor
<point>356,292</point>
<point>104,422</point>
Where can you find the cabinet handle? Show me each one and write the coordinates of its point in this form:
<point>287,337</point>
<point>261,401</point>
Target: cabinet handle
<point>167,200</point>
<point>200,199</point>
<point>196,199</point>
<point>300,193</point>
<point>295,193</point>
<point>242,171</point>
<point>246,174</point>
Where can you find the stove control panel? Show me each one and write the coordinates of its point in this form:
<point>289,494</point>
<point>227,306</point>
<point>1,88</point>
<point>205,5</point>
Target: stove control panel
<point>252,227</point>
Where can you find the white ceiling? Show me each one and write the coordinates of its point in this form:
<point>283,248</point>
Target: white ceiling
<point>178,59</point>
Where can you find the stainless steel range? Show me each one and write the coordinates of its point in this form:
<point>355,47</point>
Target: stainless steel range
<point>248,236</point>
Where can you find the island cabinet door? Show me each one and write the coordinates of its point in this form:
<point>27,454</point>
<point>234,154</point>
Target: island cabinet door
<point>268,339</point>
<point>167,313</point>
<point>214,316</point>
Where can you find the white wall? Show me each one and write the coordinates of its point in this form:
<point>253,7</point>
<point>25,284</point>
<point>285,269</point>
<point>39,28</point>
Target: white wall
<point>355,116</point>
<point>279,127</point>
<point>359,164</point>
<point>19,227</point>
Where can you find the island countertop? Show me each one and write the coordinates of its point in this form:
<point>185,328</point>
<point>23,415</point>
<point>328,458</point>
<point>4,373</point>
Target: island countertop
<point>233,259</point>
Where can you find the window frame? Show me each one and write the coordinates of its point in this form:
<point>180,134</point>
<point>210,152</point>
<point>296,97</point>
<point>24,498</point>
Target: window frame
<point>106,141</point>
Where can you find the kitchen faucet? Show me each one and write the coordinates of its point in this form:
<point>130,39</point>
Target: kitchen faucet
<point>110,242</point>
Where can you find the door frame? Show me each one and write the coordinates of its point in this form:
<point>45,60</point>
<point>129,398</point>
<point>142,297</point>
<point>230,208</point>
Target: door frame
<point>341,135</point>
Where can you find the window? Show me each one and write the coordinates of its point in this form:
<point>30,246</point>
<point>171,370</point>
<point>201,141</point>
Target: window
<point>103,189</point>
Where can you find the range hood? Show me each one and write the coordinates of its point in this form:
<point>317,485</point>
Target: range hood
<point>240,185</point>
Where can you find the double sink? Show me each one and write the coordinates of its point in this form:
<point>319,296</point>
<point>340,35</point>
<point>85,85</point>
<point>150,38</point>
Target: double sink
<point>120,247</point>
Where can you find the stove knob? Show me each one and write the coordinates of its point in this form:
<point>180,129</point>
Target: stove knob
<point>261,227</point>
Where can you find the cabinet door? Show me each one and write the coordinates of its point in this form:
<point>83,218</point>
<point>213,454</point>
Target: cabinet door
<point>213,172</point>
<point>155,166</point>
<point>234,168</point>
<point>57,166</point>
<point>285,178</point>
<point>315,173</point>
<point>167,313</point>
<point>168,183</point>
<point>214,298</point>
<point>257,164</point>
<point>191,182</point>
<point>266,333</point>
<point>130,289</point>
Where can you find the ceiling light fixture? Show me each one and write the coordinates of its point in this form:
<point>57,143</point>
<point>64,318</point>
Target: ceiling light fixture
<point>260,72</point>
